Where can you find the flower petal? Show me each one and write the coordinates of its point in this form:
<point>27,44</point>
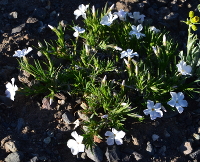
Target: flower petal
<point>77,13</point>
<point>156,114</point>
<point>183,103</point>
<point>75,135</point>
<point>118,141</point>
<point>157,106</point>
<point>81,148</point>
<point>76,34</point>
<point>150,104</point>
<point>120,134</point>
<point>174,95</point>
<point>109,133</point>
<point>147,111</point>
<point>180,96</point>
<point>171,103</point>
<point>188,69</point>
<point>114,131</point>
<point>139,27</point>
<point>110,141</point>
<point>180,109</point>
<point>71,143</point>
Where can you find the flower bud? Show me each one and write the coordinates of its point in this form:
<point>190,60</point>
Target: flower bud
<point>195,19</point>
<point>194,27</point>
<point>164,40</point>
<point>191,14</point>
<point>104,80</point>
<point>93,11</point>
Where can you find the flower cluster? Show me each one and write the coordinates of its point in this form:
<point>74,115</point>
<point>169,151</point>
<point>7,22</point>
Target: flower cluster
<point>155,110</point>
<point>77,146</point>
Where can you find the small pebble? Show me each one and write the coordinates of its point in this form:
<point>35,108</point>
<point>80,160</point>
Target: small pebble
<point>196,136</point>
<point>155,137</point>
<point>47,140</point>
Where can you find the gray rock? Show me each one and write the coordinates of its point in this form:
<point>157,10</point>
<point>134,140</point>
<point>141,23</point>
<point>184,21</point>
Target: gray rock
<point>47,140</point>
<point>94,153</point>
<point>186,148</point>
<point>34,159</point>
<point>82,116</point>
<point>149,148</point>
<point>112,154</point>
<point>137,156</point>
<point>15,157</point>
<point>195,155</point>
<point>18,29</point>
<point>10,146</point>
<point>40,13</point>
<point>13,15</point>
<point>155,137</point>
<point>68,118</point>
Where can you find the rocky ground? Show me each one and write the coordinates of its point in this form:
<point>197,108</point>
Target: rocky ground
<point>28,132</point>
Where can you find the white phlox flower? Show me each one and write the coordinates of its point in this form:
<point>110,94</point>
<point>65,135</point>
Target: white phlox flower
<point>108,19</point>
<point>121,14</point>
<point>78,30</point>
<point>153,110</point>
<point>153,28</point>
<point>136,31</point>
<point>21,53</point>
<point>115,136</point>
<point>177,101</point>
<point>183,68</point>
<point>81,11</point>
<point>76,145</point>
<point>128,53</point>
<point>137,17</point>
<point>10,89</point>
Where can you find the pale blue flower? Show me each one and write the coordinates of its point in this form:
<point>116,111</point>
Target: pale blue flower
<point>108,19</point>
<point>177,101</point>
<point>128,53</point>
<point>153,28</point>
<point>121,14</point>
<point>81,11</point>
<point>76,145</point>
<point>78,30</point>
<point>183,68</point>
<point>115,136</point>
<point>137,17</point>
<point>21,53</point>
<point>11,89</point>
<point>153,110</point>
<point>136,31</point>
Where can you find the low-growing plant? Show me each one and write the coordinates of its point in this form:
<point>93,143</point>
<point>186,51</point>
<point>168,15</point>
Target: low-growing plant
<point>118,66</point>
